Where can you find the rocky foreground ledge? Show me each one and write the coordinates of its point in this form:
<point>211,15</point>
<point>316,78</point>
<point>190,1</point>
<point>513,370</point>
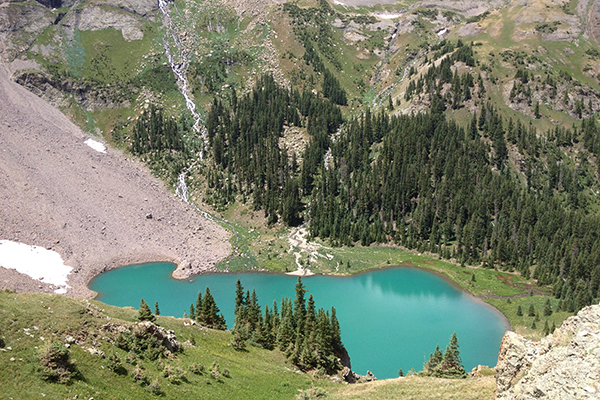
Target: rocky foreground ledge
<point>564,365</point>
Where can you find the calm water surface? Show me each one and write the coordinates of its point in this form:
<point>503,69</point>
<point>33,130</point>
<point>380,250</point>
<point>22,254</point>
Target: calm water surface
<point>390,319</point>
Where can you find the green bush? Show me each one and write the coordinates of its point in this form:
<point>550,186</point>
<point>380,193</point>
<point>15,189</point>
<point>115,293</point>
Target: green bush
<point>154,388</point>
<point>55,364</point>
<point>115,365</point>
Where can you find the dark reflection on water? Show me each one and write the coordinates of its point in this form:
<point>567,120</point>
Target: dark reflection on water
<point>390,318</point>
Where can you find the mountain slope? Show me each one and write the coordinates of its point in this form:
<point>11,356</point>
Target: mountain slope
<point>97,210</point>
<point>172,360</point>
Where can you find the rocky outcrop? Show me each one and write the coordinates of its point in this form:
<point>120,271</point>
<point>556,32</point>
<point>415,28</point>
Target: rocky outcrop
<point>95,18</point>
<point>564,365</point>
<point>59,93</point>
<point>143,8</point>
<point>165,337</point>
<point>20,24</point>
<point>22,21</point>
<point>352,377</point>
<point>145,329</point>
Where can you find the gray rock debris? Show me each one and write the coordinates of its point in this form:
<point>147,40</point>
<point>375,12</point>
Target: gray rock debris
<point>564,365</point>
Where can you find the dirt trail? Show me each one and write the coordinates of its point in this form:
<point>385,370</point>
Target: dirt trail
<point>97,210</point>
<point>299,245</point>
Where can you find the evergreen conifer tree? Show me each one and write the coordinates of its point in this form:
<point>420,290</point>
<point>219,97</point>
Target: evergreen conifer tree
<point>192,313</point>
<point>434,361</point>
<point>198,307</point>
<point>451,362</point>
<point>299,306</point>
<point>546,328</point>
<point>547,308</point>
<point>144,313</point>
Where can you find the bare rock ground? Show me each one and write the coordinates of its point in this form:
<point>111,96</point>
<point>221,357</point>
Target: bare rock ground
<point>564,365</point>
<point>97,210</point>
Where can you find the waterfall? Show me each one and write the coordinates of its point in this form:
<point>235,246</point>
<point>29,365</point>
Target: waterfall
<point>179,64</point>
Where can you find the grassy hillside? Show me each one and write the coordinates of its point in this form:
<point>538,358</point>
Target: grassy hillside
<point>30,322</point>
<point>419,388</point>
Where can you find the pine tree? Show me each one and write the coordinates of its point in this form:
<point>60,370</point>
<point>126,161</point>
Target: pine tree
<point>192,313</point>
<point>209,313</point>
<point>144,313</point>
<point>434,361</point>
<point>299,306</point>
<point>240,324</point>
<point>519,311</point>
<point>336,335</point>
<point>547,308</point>
<point>156,310</point>
<point>451,363</point>
<point>447,364</point>
<point>285,333</point>
<point>198,308</point>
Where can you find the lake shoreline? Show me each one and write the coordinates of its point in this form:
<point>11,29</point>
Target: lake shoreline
<point>408,264</point>
<point>390,304</point>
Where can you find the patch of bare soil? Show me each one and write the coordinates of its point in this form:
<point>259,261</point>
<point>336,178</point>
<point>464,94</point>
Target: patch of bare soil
<point>97,210</point>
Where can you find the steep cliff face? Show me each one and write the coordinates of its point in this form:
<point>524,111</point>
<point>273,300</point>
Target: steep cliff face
<point>564,365</point>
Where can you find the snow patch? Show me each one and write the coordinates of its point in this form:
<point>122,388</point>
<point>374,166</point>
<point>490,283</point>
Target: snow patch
<point>96,145</point>
<point>388,16</point>
<point>44,265</point>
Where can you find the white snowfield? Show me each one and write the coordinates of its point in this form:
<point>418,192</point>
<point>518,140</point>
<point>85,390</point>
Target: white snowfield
<point>96,145</point>
<point>44,265</point>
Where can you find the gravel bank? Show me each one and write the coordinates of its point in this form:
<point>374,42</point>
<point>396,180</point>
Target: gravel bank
<point>97,210</point>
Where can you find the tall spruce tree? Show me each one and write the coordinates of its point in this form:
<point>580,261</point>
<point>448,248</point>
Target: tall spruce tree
<point>145,314</point>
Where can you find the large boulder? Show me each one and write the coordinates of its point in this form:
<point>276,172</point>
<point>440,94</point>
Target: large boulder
<point>564,365</point>
<point>165,338</point>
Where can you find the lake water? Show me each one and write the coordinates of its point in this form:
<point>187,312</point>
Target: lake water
<point>390,318</point>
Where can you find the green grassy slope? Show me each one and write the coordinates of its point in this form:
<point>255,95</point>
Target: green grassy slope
<point>31,321</point>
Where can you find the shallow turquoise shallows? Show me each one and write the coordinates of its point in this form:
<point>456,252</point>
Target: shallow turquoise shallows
<point>391,318</point>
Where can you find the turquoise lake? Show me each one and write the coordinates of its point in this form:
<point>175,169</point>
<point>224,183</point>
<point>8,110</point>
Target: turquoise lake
<point>390,318</point>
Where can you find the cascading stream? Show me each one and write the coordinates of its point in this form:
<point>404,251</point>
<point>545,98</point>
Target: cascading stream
<point>179,68</point>
<point>377,101</point>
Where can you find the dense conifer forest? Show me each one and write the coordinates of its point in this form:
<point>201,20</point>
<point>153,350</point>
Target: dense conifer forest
<point>309,338</point>
<point>420,181</point>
